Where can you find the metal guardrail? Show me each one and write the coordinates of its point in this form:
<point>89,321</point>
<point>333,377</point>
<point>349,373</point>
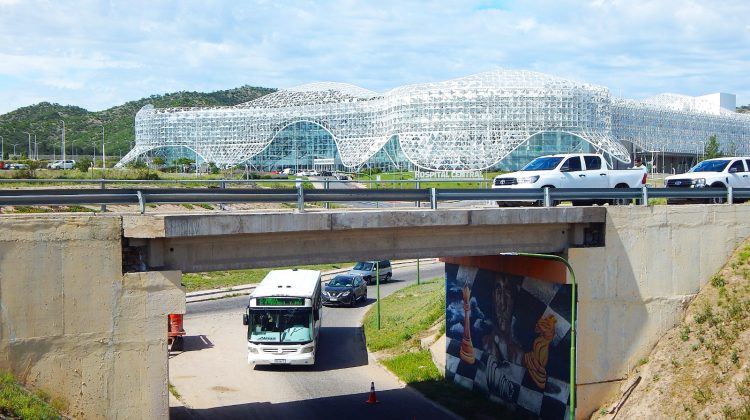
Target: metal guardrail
<point>546,197</point>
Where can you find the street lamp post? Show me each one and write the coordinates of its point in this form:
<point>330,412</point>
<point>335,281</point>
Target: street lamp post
<point>14,149</point>
<point>104,160</point>
<point>63,140</point>
<point>573,301</point>
<point>29,153</point>
<point>2,147</point>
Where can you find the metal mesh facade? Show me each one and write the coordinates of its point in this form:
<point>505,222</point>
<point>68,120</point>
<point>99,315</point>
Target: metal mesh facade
<point>470,123</point>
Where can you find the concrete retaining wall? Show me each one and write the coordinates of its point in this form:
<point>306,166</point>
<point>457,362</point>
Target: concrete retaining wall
<point>636,288</point>
<point>73,325</point>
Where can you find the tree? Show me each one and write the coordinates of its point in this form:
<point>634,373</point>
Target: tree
<point>158,161</point>
<point>712,148</point>
<point>83,164</point>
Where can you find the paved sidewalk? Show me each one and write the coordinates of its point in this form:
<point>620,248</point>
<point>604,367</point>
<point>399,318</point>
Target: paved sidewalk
<point>246,289</point>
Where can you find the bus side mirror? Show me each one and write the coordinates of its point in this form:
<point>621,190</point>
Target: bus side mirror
<point>245,320</point>
<point>316,314</point>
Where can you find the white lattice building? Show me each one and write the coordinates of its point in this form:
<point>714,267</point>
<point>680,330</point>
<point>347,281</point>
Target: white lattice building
<point>471,123</point>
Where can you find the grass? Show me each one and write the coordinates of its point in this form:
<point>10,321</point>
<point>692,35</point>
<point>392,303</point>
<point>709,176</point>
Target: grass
<point>405,317</point>
<point>17,402</point>
<point>404,314</point>
<point>173,390</point>
<point>219,279</point>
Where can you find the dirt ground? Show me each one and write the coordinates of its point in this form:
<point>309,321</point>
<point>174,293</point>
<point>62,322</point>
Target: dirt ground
<point>699,369</point>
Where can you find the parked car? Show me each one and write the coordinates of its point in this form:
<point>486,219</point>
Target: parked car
<point>571,170</point>
<point>304,172</point>
<point>344,289</point>
<point>17,166</point>
<point>715,173</point>
<point>367,270</point>
<point>314,173</point>
<point>61,164</point>
<point>326,173</point>
<point>340,176</point>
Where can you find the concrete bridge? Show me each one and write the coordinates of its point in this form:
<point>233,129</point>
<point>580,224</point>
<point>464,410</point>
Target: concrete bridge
<point>83,298</point>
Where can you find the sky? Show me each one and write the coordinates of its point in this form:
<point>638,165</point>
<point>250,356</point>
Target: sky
<point>100,54</point>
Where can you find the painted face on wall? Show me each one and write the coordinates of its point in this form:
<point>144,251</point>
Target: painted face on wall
<point>503,297</point>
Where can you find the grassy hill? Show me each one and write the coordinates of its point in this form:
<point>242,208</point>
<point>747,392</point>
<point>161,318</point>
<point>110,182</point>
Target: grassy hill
<point>83,129</point>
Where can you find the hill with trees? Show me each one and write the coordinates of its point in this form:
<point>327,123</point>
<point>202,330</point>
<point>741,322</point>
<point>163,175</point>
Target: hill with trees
<point>83,128</point>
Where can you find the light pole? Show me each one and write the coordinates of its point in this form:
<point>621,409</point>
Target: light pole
<point>104,160</point>
<point>62,151</point>
<point>573,300</point>
<point>14,149</point>
<point>36,149</point>
<point>29,134</point>
<point>703,149</point>
<point>2,147</point>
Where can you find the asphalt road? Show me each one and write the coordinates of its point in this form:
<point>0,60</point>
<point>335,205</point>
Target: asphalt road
<point>215,381</point>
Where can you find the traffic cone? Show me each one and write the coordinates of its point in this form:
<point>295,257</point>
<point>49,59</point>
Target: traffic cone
<point>372,399</point>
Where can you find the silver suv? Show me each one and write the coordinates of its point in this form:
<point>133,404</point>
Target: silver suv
<point>367,270</point>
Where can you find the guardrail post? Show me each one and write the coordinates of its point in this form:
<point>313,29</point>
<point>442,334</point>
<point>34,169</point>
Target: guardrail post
<point>104,206</point>
<point>730,195</point>
<point>222,185</point>
<point>300,196</point>
<point>547,200</point>
<point>418,203</point>
<point>644,196</point>
<point>433,199</point>
<point>141,202</point>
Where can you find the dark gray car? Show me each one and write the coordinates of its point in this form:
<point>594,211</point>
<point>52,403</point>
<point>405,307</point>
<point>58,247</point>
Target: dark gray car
<point>345,289</point>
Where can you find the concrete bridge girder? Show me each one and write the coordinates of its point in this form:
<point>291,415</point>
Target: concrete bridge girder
<point>209,242</point>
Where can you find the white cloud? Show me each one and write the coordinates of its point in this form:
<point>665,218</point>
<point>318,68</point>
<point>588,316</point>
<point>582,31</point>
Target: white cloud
<point>97,55</point>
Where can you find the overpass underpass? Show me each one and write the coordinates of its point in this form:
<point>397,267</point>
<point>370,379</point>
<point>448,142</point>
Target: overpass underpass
<point>99,339</point>
<point>196,243</point>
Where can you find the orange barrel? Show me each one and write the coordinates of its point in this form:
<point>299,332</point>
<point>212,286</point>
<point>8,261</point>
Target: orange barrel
<point>175,325</point>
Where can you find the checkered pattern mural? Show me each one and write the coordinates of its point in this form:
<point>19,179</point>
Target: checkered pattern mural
<point>514,345</point>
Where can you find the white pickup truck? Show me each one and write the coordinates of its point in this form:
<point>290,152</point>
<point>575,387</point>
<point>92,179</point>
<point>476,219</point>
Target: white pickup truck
<point>578,170</point>
<point>717,173</point>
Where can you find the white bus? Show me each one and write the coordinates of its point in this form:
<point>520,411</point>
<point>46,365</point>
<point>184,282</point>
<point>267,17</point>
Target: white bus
<point>283,318</point>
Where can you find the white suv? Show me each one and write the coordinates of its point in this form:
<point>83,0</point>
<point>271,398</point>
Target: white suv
<point>61,164</point>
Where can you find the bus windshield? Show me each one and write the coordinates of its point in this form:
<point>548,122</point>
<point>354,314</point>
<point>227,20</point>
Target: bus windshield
<point>283,325</point>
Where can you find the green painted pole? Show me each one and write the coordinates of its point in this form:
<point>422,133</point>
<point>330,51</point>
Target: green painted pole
<point>417,270</point>
<point>377,288</point>
<point>573,300</point>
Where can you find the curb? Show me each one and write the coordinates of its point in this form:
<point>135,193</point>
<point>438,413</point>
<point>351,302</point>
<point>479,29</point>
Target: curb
<point>246,289</point>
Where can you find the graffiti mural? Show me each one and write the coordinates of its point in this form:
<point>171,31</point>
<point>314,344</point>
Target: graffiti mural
<point>508,336</point>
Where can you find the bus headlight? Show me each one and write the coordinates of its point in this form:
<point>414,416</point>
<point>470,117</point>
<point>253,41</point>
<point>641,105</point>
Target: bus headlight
<point>252,350</point>
<point>307,350</point>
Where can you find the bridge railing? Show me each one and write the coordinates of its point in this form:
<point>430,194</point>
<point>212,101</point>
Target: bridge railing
<point>546,197</point>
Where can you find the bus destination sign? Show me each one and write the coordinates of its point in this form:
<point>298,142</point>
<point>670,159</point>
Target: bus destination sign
<point>280,301</point>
